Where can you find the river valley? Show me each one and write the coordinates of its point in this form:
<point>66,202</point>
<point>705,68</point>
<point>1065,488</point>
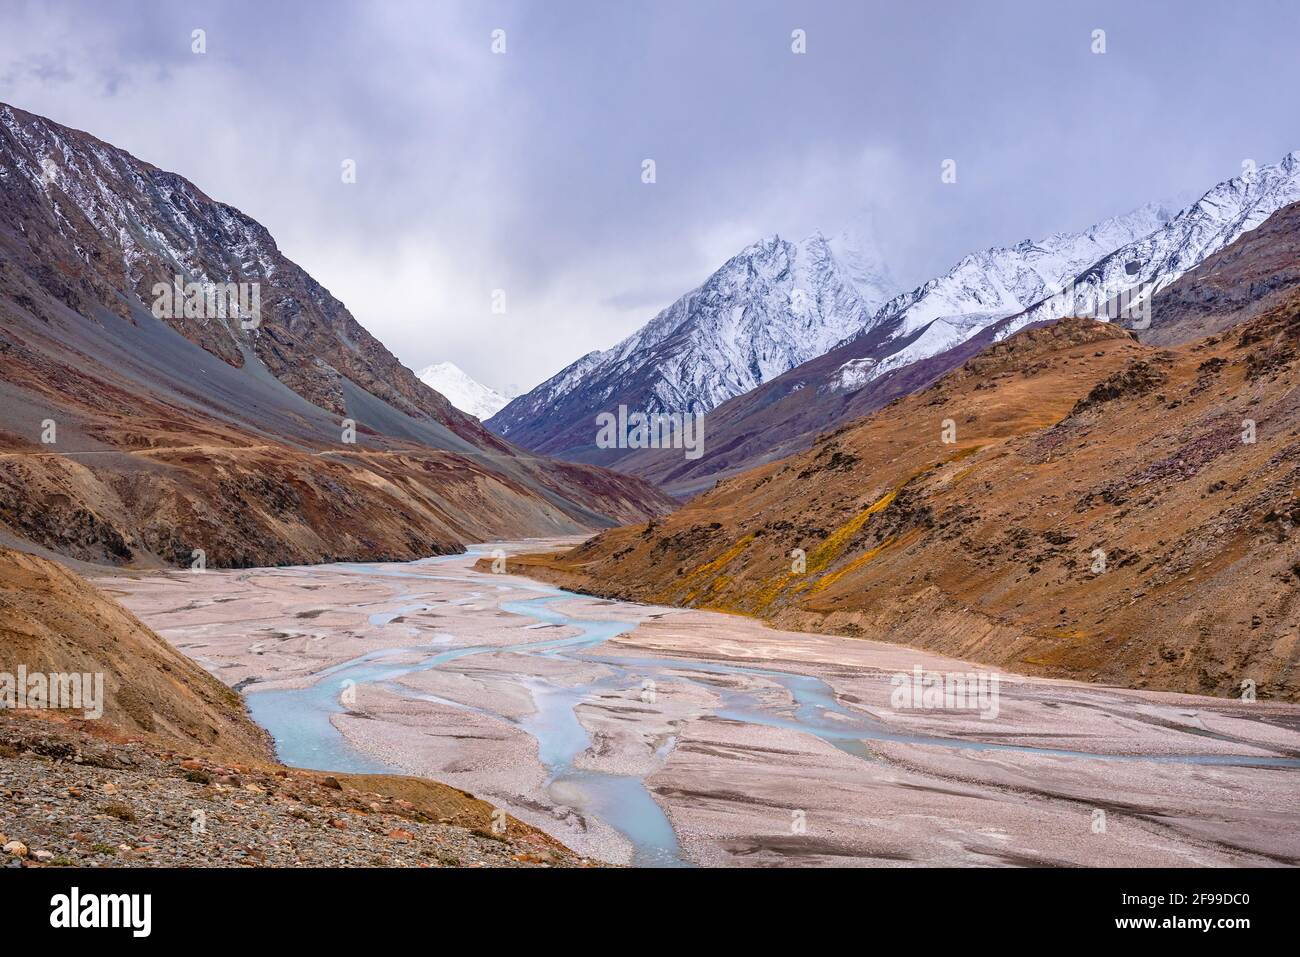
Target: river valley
<point>667,737</point>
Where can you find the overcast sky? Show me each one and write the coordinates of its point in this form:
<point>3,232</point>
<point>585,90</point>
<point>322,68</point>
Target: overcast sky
<point>522,171</point>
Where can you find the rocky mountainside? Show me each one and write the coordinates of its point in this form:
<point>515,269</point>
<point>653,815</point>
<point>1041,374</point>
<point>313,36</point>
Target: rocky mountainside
<point>134,434</point>
<point>1070,274</point>
<point>462,390</point>
<point>1067,273</point>
<point>70,799</point>
<point>1240,281</point>
<point>999,282</point>
<point>97,229</point>
<point>785,416</point>
<point>1067,502</point>
<point>869,336</point>
<point>771,307</point>
<point>889,355</point>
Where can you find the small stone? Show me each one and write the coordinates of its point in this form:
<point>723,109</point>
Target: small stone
<point>43,855</point>
<point>399,835</point>
<point>332,783</point>
<point>16,848</point>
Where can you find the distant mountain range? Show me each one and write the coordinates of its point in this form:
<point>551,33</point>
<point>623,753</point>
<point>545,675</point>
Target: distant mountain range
<point>462,390</point>
<point>892,349</point>
<point>985,287</point>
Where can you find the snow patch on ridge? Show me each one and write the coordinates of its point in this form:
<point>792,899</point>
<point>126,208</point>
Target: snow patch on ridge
<point>462,390</point>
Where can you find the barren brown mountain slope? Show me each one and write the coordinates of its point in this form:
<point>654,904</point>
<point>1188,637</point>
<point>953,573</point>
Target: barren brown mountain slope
<point>97,229</point>
<point>144,479</point>
<point>138,477</point>
<point>1098,517</point>
<point>52,621</point>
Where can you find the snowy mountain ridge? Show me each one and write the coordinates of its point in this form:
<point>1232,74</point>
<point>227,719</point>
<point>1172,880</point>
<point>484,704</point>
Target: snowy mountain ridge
<point>1002,281</point>
<point>1152,262</point>
<point>1071,273</point>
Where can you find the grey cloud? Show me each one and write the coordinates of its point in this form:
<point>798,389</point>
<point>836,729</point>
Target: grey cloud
<point>522,171</point>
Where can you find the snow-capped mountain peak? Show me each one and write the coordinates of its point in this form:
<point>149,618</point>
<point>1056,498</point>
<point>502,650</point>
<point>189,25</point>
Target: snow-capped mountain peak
<point>1004,280</point>
<point>771,307</point>
<point>462,390</point>
<point>778,304</point>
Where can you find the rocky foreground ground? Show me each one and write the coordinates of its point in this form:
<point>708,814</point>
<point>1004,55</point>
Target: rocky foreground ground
<point>71,799</point>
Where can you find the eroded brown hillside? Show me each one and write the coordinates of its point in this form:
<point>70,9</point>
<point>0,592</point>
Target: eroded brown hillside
<point>53,621</point>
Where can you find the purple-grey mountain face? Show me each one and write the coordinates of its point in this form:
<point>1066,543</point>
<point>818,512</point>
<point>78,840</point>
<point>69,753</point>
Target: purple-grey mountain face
<point>171,382</point>
<point>99,229</point>
<point>768,309</point>
<point>920,335</point>
<point>1243,280</point>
